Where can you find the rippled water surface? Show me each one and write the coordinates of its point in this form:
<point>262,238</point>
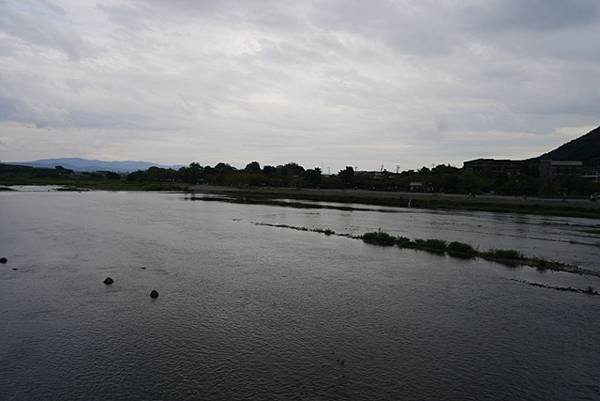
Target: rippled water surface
<point>257,312</point>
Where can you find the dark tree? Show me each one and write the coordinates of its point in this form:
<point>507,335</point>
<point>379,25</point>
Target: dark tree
<point>347,177</point>
<point>253,167</point>
<point>312,177</point>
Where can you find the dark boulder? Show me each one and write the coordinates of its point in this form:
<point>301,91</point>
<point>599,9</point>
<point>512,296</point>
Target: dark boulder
<point>153,294</point>
<point>108,281</point>
<point>3,260</point>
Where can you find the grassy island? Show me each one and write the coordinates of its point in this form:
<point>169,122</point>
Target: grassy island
<point>509,257</point>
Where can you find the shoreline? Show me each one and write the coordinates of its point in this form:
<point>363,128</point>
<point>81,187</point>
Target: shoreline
<point>569,207</point>
<point>433,201</point>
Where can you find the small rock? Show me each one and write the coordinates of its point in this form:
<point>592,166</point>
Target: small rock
<point>108,281</point>
<point>3,260</point>
<point>15,269</point>
<point>143,267</point>
<point>153,294</point>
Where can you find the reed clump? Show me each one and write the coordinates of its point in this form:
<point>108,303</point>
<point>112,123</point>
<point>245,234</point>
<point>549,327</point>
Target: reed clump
<point>461,250</point>
<point>457,249</point>
<point>379,238</point>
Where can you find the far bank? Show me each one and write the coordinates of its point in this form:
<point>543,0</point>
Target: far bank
<point>568,207</point>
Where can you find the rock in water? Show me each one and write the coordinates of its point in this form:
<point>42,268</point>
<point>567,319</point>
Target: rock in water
<point>3,260</point>
<point>153,294</point>
<point>108,281</point>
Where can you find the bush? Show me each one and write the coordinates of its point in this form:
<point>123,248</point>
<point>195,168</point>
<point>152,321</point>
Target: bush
<point>436,245</point>
<point>404,242</point>
<point>379,238</point>
<point>509,254</point>
<point>419,243</point>
<point>461,249</point>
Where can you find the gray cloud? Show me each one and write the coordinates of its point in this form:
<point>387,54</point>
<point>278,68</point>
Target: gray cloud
<point>534,15</point>
<point>335,82</point>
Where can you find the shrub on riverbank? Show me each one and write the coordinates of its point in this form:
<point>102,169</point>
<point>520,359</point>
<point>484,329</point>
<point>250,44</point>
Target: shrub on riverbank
<point>435,245</point>
<point>507,254</point>
<point>379,238</point>
<point>460,249</point>
<point>404,242</point>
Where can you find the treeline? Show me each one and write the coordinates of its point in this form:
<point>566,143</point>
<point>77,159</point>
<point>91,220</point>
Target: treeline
<point>442,178</point>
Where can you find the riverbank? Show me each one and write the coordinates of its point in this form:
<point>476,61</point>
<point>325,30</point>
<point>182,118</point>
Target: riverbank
<point>569,207</point>
<point>484,203</point>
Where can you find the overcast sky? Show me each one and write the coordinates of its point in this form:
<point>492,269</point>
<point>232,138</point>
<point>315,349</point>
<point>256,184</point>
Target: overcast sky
<point>322,83</point>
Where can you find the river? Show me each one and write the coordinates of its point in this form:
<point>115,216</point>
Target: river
<point>250,311</point>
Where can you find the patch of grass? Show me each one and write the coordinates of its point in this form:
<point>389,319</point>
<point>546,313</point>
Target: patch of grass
<point>462,250</point>
<point>379,238</point>
<point>509,257</point>
<point>592,231</point>
<point>419,243</point>
<point>404,242</point>
<point>435,245</point>
<point>507,254</point>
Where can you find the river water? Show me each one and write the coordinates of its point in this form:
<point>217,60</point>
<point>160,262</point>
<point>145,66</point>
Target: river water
<point>257,312</point>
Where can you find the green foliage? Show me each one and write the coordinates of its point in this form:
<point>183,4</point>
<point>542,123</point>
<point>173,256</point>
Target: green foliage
<point>436,245</point>
<point>507,254</point>
<point>441,178</point>
<point>253,167</point>
<point>379,238</point>
<point>420,243</point>
<point>461,249</point>
<point>404,242</point>
<point>347,177</point>
<point>312,177</point>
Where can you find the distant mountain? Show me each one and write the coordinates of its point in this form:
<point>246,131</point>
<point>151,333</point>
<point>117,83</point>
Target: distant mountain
<point>78,164</point>
<point>586,148</point>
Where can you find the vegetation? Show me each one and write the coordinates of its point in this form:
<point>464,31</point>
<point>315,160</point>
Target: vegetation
<point>326,231</point>
<point>254,182</point>
<point>442,178</point>
<point>504,254</point>
<point>436,245</point>
<point>588,290</point>
<point>460,249</point>
<point>379,238</point>
<point>509,257</point>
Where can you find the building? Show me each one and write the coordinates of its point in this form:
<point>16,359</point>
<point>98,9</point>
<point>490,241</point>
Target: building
<point>511,167</point>
<point>565,168</point>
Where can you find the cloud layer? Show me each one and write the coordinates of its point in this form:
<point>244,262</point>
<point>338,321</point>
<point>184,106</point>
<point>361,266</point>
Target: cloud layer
<point>324,83</point>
